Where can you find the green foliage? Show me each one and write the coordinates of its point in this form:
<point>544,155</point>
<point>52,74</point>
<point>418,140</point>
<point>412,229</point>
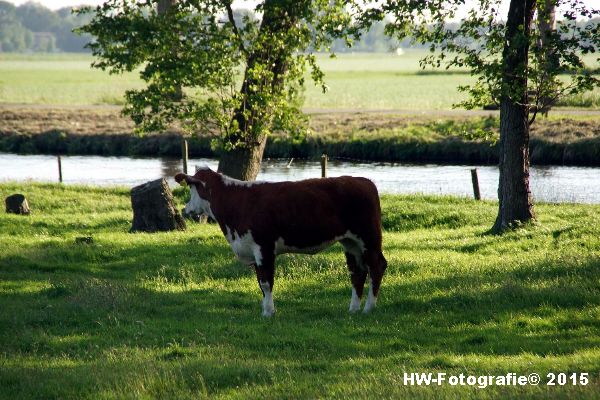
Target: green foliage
<point>478,42</point>
<point>174,315</point>
<point>33,27</point>
<point>208,71</point>
<point>13,35</point>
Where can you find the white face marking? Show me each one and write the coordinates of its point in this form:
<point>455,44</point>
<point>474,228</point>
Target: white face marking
<point>354,302</point>
<point>198,205</point>
<point>371,300</point>
<point>244,247</point>
<point>268,308</point>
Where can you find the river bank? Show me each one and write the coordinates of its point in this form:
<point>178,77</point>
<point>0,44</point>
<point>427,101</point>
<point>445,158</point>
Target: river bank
<point>446,137</point>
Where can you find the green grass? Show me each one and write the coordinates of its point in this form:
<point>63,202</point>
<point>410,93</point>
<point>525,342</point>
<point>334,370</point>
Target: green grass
<point>356,81</point>
<point>61,81</point>
<point>173,315</point>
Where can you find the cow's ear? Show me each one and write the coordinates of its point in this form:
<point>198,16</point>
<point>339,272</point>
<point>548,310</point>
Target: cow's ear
<point>183,179</point>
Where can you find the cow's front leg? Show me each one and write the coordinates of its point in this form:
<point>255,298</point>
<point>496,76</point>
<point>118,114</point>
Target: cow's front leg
<point>265,274</point>
<point>358,275</point>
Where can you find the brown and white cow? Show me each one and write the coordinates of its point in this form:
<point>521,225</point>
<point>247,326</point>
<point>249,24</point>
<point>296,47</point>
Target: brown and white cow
<point>261,220</point>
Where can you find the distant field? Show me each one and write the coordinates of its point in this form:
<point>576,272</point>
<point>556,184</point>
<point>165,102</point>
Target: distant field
<point>356,81</point>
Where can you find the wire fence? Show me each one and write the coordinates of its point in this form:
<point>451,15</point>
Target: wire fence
<point>324,161</point>
<point>551,184</point>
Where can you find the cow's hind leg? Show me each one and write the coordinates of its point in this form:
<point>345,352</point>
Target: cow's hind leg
<point>265,274</point>
<point>358,272</point>
<point>376,264</point>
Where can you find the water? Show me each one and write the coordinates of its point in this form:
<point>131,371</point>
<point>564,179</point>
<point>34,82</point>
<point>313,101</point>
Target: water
<point>550,184</point>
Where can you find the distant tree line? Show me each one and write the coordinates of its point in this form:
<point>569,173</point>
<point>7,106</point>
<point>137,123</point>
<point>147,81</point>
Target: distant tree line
<point>33,27</point>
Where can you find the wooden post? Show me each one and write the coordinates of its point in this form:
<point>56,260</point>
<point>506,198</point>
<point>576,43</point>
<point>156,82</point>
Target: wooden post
<point>59,169</point>
<point>324,166</point>
<point>184,155</point>
<point>475,180</point>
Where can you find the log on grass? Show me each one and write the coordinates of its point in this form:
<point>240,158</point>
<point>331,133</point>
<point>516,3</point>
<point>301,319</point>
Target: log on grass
<point>154,209</point>
<point>17,204</point>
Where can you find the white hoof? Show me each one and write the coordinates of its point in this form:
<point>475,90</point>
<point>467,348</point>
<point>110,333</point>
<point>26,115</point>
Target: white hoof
<point>368,308</point>
<point>354,302</point>
<point>268,313</point>
<point>268,306</point>
<point>371,302</point>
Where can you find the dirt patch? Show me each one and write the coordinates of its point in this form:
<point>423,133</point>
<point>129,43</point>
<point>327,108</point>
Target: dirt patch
<point>108,120</point>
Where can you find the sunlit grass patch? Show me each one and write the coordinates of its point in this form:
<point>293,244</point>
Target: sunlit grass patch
<point>174,315</point>
<point>356,81</point>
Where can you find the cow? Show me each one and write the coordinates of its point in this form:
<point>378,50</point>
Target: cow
<point>261,220</point>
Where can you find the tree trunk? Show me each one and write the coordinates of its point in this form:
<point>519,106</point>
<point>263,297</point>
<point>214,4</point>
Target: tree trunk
<point>163,7</point>
<point>515,202</point>
<point>252,118</point>
<point>17,204</point>
<point>244,162</point>
<point>549,62</point>
<point>154,209</point>
<point>546,22</point>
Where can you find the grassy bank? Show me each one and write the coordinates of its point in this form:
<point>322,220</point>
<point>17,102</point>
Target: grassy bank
<point>444,138</point>
<point>356,81</point>
<point>173,315</point>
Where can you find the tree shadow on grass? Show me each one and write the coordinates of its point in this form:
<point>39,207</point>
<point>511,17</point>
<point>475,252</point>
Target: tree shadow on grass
<point>144,298</point>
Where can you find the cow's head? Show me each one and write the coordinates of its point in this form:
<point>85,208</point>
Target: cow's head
<point>200,189</point>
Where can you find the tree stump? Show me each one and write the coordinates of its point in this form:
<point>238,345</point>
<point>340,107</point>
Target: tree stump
<point>154,209</point>
<point>17,204</point>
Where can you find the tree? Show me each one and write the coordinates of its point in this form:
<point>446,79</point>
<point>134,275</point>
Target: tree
<point>546,22</point>
<point>511,70</point>
<point>13,36</point>
<point>37,18</point>
<point>66,40</point>
<point>238,80</point>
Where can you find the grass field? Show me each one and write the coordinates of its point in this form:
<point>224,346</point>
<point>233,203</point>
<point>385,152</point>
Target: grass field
<point>173,315</point>
<point>356,81</point>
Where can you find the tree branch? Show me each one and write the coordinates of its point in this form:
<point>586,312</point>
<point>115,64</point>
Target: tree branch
<point>227,5</point>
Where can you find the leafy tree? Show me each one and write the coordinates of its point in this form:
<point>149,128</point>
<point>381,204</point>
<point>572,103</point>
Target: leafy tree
<point>13,36</point>
<point>37,18</point>
<point>512,69</point>
<point>238,80</point>
<point>66,40</point>
<point>372,40</point>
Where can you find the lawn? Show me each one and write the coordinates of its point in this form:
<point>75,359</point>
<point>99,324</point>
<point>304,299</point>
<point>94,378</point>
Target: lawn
<point>173,315</point>
<point>356,81</point>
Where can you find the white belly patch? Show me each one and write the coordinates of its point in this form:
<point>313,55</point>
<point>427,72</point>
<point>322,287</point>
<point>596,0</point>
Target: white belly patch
<point>244,247</point>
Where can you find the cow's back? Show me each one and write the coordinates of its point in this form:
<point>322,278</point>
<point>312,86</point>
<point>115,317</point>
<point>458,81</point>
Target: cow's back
<point>313,211</point>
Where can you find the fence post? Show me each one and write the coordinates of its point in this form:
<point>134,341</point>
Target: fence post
<point>475,180</point>
<point>184,155</point>
<point>59,169</point>
<point>324,166</point>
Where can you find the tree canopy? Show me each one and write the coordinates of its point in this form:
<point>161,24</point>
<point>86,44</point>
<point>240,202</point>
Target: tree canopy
<point>33,27</point>
<point>477,43</point>
<point>516,62</point>
<point>240,75</point>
